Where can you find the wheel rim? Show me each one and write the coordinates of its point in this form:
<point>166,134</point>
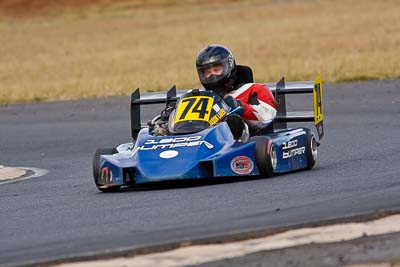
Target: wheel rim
<point>273,157</point>
<point>314,151</point>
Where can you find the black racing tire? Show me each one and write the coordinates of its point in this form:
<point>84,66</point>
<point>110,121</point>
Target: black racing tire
<point>311,149</point>
<point>263,156</point>
<point>96,168</point>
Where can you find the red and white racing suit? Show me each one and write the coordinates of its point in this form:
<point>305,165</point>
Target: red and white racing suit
<point>258,102</point>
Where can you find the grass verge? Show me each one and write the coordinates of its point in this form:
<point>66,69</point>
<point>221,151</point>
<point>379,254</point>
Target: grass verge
<point>107,48</point>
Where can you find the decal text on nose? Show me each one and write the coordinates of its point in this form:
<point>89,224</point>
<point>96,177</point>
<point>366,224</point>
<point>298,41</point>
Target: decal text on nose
<point>169,143</point>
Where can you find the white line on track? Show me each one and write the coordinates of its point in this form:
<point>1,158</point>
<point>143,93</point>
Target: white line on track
<point>36,173</point>
<point>199,254</point>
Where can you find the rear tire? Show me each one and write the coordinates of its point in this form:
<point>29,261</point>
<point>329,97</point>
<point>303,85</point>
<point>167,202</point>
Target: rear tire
<point>265,155</point>
<point>96,168</point>
<point>311,149</point>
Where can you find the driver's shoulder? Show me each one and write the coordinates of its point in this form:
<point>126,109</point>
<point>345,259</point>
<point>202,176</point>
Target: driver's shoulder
<point>246,87</point>
<point>259,86</point>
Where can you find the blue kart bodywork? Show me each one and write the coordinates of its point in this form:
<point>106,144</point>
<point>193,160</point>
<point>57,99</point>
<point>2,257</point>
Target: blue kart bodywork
<point>210,153</point>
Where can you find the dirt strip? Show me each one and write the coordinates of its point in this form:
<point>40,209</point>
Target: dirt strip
<point>209,253</point>
<point>10,173</point>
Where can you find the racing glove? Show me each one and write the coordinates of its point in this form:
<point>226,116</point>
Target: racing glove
<point>236,105</point>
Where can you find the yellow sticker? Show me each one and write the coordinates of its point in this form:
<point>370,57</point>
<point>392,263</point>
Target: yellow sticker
<point>217,117</point>
<point>194,108</point>
<point>318,109</point>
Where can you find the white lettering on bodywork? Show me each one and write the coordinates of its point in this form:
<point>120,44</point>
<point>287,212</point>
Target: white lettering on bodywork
<point>289,144</point>
<point>170,143</point>
<point>293,152</point>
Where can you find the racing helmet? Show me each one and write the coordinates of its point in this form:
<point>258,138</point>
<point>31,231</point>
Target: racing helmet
<point>216,68</point>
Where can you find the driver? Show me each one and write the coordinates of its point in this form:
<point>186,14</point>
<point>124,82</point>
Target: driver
<point>253,103</point>
<point>218,72</point>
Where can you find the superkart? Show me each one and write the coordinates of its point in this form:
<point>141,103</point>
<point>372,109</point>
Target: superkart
<point>203,145</point>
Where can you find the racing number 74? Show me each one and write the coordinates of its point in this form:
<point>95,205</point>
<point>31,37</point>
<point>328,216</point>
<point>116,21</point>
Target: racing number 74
<point>194,108</point>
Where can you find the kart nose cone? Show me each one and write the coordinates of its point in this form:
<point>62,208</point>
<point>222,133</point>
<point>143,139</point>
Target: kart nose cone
<point>168,165</point>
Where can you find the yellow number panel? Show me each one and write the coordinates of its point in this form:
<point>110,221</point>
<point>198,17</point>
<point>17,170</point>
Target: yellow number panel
<point>196,108</point>
<point>318,111</point>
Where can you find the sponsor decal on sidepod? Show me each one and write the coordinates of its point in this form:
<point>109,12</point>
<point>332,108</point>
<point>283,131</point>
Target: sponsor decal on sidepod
<point>293,152</point>
<point>242,165</point>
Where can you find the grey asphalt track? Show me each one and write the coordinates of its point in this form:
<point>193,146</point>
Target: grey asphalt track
<point>62,214</point>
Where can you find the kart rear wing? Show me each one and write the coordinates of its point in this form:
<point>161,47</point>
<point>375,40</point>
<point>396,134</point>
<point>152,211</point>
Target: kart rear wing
<point>281,89</point>
<point>155,98</point>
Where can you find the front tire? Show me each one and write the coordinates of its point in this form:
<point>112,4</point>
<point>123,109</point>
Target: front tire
<point>265,155</point>
<point>96,168</point>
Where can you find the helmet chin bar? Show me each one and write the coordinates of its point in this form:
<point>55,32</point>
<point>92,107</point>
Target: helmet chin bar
<point>213,78</point>
<point>221,87</point>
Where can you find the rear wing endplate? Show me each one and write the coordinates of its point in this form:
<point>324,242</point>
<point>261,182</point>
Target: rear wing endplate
<point>281,89</point>
<point>136,102</point>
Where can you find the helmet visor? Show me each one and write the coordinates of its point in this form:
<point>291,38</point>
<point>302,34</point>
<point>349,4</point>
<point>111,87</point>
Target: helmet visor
<point>213,72</point>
